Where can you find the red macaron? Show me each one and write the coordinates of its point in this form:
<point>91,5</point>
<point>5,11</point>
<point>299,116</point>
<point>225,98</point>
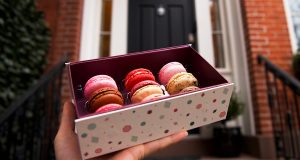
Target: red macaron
<point>136,76</point>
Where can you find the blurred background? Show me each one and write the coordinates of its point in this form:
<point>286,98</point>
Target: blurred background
<point>253,43</point>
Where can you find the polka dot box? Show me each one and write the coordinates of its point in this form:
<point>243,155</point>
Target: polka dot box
<point>138,123</point>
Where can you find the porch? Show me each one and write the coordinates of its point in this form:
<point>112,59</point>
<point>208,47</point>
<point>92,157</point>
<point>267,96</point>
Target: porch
<point>39,107</point>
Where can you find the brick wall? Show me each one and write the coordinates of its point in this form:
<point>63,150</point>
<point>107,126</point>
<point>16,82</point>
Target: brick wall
<point>64,19</point>
<point>267,34</point>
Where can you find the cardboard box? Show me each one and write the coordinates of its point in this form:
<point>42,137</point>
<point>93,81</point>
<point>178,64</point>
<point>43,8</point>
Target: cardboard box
<point>138,123</point>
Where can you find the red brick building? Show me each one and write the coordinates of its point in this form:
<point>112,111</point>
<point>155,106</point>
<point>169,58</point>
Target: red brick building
<point>229,34</point>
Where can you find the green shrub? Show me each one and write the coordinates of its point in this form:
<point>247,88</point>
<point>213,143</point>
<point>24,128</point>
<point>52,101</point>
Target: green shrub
<point>235,108</point>
<point>24,41</point>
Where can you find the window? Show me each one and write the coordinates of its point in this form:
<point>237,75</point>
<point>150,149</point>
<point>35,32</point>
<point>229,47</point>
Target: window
<point>293,13</point>
<point>217,34</point>
<point>105,31</point>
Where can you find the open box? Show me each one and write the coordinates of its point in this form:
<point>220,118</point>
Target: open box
<point>138,123</point>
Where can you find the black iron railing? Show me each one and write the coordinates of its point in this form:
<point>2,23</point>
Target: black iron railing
<point>283,97</point>
<point>28,126</point>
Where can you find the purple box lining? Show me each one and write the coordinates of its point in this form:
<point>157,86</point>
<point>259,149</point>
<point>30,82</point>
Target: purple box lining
<point>117,67</point>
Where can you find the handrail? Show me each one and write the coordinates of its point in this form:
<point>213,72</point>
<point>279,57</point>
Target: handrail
<point>22,99</point>
<point>283,92</point>
<point>289,80</point>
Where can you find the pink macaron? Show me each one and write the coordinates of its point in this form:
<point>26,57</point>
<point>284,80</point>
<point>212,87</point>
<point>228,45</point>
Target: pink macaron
<point>108,107</point>
<point>169,70</point>
<point>98,82</point>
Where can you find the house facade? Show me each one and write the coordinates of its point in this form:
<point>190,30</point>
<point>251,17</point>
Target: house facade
<point>228,34</point>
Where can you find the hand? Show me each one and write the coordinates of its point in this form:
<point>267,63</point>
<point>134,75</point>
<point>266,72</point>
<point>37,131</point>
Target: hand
<point>66,144</point>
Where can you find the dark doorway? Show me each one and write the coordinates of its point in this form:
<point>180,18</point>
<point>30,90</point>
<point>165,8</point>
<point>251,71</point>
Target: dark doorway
<point>160,23</point>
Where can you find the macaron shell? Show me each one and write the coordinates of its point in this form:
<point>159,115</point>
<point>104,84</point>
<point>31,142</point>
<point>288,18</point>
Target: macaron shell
<point>137,76</point>
<point>189,89</point>
<point>180,81</point>
<point>169,70</point>
<point>153,97</point>
<point>142,84</point>
<point>144,92</point>
<point>135,71</point>
<point>108,107</point>
<point>98,82</point>
<point>103,97</point>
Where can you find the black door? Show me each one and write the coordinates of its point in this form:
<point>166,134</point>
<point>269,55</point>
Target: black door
<point>160,23</point>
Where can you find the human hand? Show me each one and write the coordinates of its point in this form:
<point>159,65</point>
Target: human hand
<point>66,144</point>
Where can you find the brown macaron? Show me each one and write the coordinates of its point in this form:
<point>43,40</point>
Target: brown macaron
<point>103,97</point>
<point>180,81</point>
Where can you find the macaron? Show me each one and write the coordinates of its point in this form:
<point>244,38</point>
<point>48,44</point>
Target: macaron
<point>144,92</point>
<point>142,84</point>
<point>98,82</point>
<point>136,76</point>
<point>169,70</point>
<point>153,97</point>
<point>108,107</point>
<point>180,81</point>
<point>189,89</point>
<point>103,97</point>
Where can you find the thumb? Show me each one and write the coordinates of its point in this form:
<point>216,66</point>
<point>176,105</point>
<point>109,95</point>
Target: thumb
<point>67,119</point>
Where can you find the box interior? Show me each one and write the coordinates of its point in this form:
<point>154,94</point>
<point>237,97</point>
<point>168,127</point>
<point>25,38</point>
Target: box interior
<point>118,66</point>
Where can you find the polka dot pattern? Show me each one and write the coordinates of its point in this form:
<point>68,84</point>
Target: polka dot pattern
<point>91,126</point>
<point>223,101</point>
<point>199,106</point>
<point>148,122</point>
<point>134,138</point>
<point>192,123</point>
<point>94,139</point>
<point>215,110</point>
<point>167,104</point>
<point>143,123</point>
<point>98,150</point>
<point>127,128</point>
<point>83,135</point>
<point>222,114</point>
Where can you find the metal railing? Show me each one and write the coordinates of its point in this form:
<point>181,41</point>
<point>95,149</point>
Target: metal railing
<point>28,126</point>
<point>283,92</point>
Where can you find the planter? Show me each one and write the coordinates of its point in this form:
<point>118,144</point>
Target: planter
<point>227,142</point>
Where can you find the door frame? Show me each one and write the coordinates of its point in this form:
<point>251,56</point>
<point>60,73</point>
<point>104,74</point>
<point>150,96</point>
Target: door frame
<point>89,46</point>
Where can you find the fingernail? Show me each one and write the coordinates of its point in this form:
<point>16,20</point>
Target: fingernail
<point>185,133</point>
